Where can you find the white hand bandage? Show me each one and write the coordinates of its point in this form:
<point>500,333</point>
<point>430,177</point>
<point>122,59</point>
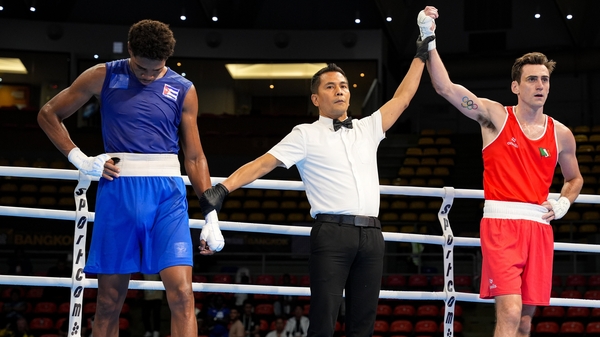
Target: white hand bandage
<point>426,28</point>
<point>211,233</point>
<point>560,207</point>
<point>92,166</point>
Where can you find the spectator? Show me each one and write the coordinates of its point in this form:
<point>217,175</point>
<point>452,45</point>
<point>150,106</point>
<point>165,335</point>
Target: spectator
<point>279,329</point>
<point>297,326</point>
<point>17,327</point>
<point>240,298</point>
<point>283,304</point>
<point>250,322</point>
<point>217,317</point>
<point>16,306</point>
<point>236,328</point>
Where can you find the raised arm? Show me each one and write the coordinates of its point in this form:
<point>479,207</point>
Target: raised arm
<point>489,114</point>
<point>391,110</point>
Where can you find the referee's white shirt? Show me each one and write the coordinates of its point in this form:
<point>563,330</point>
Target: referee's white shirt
<point>338,168</point>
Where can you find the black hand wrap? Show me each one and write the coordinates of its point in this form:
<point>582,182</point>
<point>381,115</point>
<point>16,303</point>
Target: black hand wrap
<point>212,198</point>
<point>422,45</point>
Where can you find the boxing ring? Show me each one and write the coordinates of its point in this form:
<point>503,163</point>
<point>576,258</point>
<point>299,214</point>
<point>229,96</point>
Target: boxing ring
<point>81,216</point>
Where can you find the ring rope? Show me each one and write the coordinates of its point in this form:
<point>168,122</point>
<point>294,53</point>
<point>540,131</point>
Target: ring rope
<point>81,216</point>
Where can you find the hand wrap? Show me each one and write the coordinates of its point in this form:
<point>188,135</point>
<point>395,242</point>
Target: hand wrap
<point>426,28</point>
<point>211,233</point>
<point>560,207</point>
<point>212,199</point>
<point>92,166</point>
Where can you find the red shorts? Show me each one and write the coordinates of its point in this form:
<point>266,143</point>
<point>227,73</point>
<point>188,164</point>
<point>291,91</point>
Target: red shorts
<point>517,259</point>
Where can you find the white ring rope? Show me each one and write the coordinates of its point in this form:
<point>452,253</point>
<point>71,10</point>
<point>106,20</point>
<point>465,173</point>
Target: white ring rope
<point>447,240</point>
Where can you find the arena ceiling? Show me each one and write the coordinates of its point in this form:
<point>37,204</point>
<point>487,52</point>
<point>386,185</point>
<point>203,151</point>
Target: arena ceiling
<point>473,15</point>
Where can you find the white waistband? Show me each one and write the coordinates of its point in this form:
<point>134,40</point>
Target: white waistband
<point>514,210</point>
<point>147,165</point>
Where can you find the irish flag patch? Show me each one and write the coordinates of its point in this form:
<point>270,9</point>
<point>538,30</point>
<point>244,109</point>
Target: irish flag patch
<point>544,152</point>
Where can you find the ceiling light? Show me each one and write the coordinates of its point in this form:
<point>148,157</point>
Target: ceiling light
<point>537,15</point>
<point>357,19</point>
<point>569,16</point>
<point>215,17</point>
<point>12,66</point>
<point>183,17</point>
<point>388,19</point>
<point>286,71</point>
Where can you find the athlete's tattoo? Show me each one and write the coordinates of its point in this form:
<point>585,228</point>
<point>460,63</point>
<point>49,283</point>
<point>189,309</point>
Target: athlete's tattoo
<point>468,104</point>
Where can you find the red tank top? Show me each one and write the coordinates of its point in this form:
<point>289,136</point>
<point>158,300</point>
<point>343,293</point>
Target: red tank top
<point>517,168</point>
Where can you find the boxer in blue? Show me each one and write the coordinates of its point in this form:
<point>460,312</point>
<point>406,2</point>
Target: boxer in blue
<point>141,222</point>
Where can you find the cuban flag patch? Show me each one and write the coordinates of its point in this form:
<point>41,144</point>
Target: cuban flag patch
<point>170,92</point>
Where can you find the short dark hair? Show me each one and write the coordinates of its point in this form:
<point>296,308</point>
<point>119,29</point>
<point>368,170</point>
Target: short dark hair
<point>530,58</point>
<point>151,39</point>
<point>316,79</point>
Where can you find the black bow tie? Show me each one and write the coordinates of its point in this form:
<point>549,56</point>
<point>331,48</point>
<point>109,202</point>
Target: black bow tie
<point>346,123</point>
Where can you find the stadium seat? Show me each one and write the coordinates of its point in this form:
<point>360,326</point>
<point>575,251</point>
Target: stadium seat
<point>381,327</point>
<point>384,310</point>
<point>571,328</point>
<point>45,308</point>
<point>425,328</point>
<point>547,328</point>
<point>265,279</point>
<point>403,327</point>
<point>41,325</point>
<point>594,281</point>
<point>396,281</point>
<point>404,311</point>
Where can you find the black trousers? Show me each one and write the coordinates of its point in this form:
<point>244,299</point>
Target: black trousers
<point>344,257</point>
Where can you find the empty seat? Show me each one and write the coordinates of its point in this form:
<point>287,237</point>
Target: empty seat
<point>40,325</point>
<point>396,281</point>
<point>251,203</point>
<point>427,311</point>
<point>404,311</point>
<point>264,309</point>
<point>384,310</point>
<point>265,279</point>
<point>45,308</point>
<point>593,329</point>
<point>270,204</point>
<point>425,141</point>
<point>425,327</point>
<point>404,327</point>
<point>553,313</point>
<point>576,280</point>
<point>411,161</point>
<point>418,281</point>
<point>254,193</point>
<point>381,327</point>
<point>577,313</point>
<point>223,278</point>
<point>257,217</point>
<point>571,294</point>
<point>547,328</point>
<point>572,328</point>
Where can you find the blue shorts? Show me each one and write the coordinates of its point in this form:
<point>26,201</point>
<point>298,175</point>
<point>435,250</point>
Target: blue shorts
<point>141,225</point>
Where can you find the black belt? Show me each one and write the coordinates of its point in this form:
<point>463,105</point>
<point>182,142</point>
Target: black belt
<point>355,220</point>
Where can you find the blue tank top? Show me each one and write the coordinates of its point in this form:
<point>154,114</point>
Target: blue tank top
<point>139,118</point>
